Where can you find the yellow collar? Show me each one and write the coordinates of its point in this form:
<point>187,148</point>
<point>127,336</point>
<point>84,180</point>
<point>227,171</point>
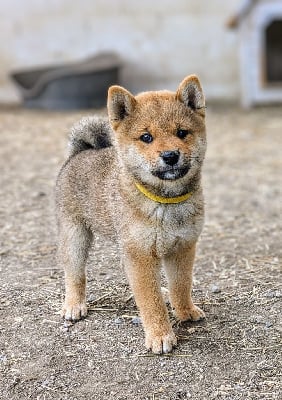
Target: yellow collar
<point>160,199</point>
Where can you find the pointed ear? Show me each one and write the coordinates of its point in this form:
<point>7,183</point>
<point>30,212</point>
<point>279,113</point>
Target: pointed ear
<point>121,103</point>
<point>190,93</point>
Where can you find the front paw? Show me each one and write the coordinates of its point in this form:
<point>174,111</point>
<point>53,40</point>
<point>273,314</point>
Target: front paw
<point>74,311</point>
<point>160,343</point>
<point>192,313</point>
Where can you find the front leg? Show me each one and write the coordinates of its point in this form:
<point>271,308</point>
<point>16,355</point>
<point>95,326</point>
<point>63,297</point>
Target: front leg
<point>179,269</point>
<point>143,272</point>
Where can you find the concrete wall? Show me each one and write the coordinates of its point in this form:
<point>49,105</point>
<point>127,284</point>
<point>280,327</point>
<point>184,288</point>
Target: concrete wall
<point>160,41</point>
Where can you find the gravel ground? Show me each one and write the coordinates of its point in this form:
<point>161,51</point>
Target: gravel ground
<point>234,354</point>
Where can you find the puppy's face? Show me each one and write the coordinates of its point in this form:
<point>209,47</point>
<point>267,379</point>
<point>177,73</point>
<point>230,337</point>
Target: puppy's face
<point>160,136</point>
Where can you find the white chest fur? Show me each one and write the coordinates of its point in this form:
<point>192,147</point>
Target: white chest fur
<point>176,225</point>
<point>166,228</point>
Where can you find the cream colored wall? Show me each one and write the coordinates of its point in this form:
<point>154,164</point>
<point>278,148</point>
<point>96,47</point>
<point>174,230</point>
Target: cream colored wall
<point>160,41</point>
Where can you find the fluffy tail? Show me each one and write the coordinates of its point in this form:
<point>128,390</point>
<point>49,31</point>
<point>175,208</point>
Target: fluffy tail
<point>89,133</point>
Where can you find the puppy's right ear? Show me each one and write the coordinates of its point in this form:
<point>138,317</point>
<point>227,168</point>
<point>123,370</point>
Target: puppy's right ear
<point>121,103</point>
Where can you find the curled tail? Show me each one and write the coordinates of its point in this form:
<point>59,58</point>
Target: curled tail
<point>89,133</point>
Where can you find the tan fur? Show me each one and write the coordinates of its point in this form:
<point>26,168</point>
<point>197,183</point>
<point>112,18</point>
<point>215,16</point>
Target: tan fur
<point>96,192</point>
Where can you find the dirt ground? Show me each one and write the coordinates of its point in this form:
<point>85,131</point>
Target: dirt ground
<point>234,354</point>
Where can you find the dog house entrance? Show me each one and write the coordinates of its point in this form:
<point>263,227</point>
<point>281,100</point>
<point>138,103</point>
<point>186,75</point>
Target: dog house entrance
<point>273,42</point>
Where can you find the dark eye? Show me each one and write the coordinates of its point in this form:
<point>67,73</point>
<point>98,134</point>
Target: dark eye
<point>182,133</point>
<point>146,137</point>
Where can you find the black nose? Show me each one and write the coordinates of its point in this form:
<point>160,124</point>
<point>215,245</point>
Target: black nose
<point>170,157</point>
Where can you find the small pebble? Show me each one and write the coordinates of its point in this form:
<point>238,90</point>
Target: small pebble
<point>37,195</point>
<point>273,293</point>
<point>91,298</point>
<point>258,319</point>
<point>3,358</point>
<point>136,320</point>
<point>268,324</point>
<point>118,321</point>
<point>215,289</point>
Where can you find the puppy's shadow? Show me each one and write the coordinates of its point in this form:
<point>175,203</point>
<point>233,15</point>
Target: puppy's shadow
<point>186,330</point>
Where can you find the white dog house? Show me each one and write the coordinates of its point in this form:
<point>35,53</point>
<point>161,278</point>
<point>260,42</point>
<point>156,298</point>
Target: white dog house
<point>260,33</point>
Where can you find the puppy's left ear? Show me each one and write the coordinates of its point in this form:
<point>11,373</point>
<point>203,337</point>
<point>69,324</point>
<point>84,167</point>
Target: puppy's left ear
<point>121,103</point>
<point>191,94</point>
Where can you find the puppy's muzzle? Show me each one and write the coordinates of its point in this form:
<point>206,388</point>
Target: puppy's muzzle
<point>170,157</point>
<point>172,165</point>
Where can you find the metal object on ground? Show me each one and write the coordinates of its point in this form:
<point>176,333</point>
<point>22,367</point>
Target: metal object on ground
<point>71,86</point>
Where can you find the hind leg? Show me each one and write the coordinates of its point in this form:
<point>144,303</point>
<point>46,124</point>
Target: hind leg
<point>74,243</point>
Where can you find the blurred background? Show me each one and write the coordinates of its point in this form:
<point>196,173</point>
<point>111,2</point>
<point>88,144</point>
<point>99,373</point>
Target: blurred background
<point>234,46</point>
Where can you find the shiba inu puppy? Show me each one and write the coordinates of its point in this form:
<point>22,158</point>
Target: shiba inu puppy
<point>136,178</point>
